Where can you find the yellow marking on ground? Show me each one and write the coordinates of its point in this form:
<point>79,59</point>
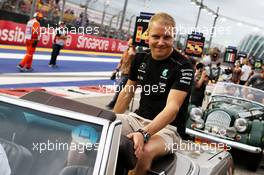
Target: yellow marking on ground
<point>62,51</point>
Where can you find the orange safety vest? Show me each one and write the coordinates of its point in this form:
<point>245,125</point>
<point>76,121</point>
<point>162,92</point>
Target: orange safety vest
<point>32,30</point>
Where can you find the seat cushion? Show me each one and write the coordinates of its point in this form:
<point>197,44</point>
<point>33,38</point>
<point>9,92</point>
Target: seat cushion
<point>166,163</point>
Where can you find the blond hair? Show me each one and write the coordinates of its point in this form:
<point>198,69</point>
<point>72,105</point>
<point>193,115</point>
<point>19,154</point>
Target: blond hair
<point>162,17</point>
<point>245,61</point>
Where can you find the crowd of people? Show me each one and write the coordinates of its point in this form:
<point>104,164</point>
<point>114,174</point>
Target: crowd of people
<point>242,73</point>
<point>51,10</point>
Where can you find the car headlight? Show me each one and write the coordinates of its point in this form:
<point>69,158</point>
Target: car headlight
<point>231,132</point>
<point>196,114</point>
<point>199,124</point>
<point>241,124</point>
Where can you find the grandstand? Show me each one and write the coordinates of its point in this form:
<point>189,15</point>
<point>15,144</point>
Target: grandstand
<point>19,11</point>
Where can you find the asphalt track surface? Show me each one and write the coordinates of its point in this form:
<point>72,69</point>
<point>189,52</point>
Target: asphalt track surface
<point>10,58</point>
<point>88,68</point>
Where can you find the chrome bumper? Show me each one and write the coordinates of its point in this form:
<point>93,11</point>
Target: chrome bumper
<point>233,144</point>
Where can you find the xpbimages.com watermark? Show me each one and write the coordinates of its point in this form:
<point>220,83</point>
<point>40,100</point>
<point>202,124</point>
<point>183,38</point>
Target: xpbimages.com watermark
<point>50,30</point>
<point>42,147</point>
<point>183,30</point>
<point>191,146</point>
<point>146,89</point>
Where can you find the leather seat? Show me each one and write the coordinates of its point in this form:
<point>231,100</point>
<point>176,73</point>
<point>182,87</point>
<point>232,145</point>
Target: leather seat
<point>20,158</point>
<point>165,165</point>
<point>77,170</point>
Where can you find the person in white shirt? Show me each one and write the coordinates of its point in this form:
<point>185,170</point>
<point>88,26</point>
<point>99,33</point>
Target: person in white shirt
<point>4,165</point>
<point>58,43</point>
<point>245,72</point>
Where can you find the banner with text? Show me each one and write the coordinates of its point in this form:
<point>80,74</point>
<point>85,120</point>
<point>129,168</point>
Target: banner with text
<point>12,33</point>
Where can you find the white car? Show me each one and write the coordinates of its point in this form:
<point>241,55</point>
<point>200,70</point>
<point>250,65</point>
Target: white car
<point>46,134</point>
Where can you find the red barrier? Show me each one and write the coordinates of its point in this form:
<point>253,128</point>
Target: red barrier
<point>12,33</point>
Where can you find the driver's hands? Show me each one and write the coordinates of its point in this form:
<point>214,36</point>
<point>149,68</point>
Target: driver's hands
<point>138,143</point>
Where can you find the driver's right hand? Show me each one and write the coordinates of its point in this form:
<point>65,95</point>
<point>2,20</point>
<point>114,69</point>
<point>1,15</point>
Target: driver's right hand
<point>138,143</point>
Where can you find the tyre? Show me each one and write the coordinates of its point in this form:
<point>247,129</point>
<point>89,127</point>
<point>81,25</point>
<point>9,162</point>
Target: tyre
<point>254,161</point>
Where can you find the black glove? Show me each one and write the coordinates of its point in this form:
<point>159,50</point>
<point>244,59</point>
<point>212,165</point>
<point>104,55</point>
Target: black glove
<point>113,76</point>
<point>35,42</point>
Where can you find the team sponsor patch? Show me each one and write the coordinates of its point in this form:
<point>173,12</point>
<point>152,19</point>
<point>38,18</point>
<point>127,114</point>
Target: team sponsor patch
<point>187,76</point>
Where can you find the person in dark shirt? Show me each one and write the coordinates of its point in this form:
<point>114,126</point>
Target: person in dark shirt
<point>257,81</point>
<point>201,81</point>
<point>165,77</point>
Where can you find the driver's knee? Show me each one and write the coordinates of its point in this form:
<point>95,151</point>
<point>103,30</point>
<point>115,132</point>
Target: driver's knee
<point>146,158</point>
<point>152,150</point>
<point>148,152</point>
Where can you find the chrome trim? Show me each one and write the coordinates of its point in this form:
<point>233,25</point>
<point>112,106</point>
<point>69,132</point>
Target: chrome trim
<point>238,98</point>
<point>194,169</point>
<point>67,114</point>
<point>54,110</point>
<point>238,145</point>
<point>104,168</point>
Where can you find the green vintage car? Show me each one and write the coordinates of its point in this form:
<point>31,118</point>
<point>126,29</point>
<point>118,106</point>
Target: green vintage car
<point>234,116</point>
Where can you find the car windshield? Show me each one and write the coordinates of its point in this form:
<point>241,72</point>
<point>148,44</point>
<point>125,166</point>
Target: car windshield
<point>42,143</point>
<point>245,93</point>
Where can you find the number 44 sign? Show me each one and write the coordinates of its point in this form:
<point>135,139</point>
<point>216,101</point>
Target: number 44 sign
<point>194,45</point>
<point>140,37</point>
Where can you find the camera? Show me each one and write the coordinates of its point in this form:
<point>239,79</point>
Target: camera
<point>199,66</point>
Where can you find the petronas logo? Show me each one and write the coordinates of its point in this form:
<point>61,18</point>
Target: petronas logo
<point>165,72</point>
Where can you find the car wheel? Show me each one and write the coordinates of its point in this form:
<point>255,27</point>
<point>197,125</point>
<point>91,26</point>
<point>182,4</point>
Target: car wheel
<point>254,161</point>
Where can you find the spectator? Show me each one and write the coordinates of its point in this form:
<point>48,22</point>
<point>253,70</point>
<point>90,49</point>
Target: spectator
<point>236,73</point>
<point>124,67</point>
<point>201,81</point>
<point>69,16</point>
<point>213,68</point>
<point>257,81</point>
<point>58,43</point>
<point>166,77</point>
<point>78,21</point>
<point>24,6</point>
<point>245,72</point>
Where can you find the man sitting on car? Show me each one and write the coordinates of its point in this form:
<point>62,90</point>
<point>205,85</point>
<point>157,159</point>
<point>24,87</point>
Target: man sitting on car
<point>166,78</point>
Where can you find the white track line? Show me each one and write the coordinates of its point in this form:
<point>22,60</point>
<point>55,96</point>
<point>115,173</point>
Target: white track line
<point>64,58</point>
